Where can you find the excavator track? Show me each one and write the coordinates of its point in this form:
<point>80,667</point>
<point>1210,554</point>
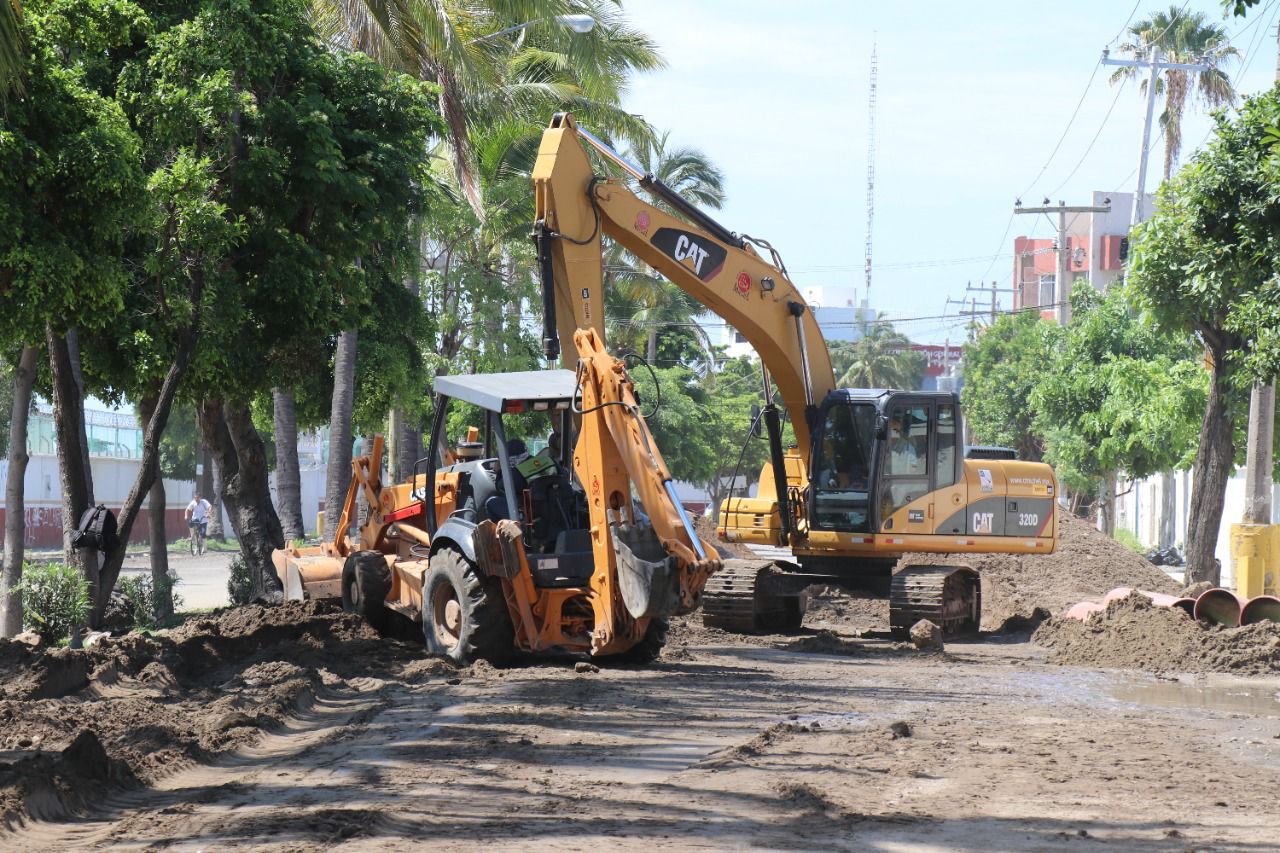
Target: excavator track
<point>948,596</point>
<point>745,597</point>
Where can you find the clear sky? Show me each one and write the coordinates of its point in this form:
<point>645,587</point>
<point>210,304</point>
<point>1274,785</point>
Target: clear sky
<point>973,98</point>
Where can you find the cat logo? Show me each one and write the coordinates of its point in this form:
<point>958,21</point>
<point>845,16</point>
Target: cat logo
<point>692,251</point>
<point>982,521</point>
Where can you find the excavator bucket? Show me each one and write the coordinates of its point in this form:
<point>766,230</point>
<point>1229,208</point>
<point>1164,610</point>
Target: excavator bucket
<point>648,576</point>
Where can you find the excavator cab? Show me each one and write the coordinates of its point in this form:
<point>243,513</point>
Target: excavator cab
<point>877,452</point>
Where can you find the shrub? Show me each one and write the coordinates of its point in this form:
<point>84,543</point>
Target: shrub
<point>240,583</point>
<point>55,598</point>
<point>146,598</point>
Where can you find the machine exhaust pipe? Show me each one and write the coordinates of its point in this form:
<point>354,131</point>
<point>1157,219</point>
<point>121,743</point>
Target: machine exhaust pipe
<point>1264,608</point>
<point>1220,606</point>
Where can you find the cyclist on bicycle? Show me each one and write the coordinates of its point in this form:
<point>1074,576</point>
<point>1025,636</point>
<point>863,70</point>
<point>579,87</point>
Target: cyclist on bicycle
<point>198,521</point>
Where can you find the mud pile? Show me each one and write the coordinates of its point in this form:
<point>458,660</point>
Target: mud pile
<point>1132,633</point>
<point>1086,565</point>
<point>135,708</point>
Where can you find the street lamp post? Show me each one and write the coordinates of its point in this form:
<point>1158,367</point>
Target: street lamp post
<point>577,23</point>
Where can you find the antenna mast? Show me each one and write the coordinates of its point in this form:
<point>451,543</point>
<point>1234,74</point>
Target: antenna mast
<point>871,167</point>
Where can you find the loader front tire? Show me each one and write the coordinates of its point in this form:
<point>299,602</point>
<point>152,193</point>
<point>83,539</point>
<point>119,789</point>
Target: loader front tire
<point>366,582</point>
<point>464,616</point>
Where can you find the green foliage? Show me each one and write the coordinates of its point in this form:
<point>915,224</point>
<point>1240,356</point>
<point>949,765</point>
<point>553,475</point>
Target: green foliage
<point>147,599</point>
<point>1117,394</point>
<point>1206,262</point>
<point>71,190</point>
<point>1126,538</point>
<point>239,581</point>
<point>55,599</point>
<point>881,358</point>
<point>1001,369</point>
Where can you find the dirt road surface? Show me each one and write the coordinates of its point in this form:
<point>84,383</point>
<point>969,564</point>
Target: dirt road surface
<point>729,744</point>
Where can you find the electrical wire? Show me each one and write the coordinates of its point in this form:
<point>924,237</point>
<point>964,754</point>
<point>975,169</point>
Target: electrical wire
<point>1093,141</point>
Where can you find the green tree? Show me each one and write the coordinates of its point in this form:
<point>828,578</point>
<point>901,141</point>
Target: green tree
<point>1001,369</point>
<point>881,358</point>
<point>487,76</point>
<point>1205,264</point>
<point>71,192</point>
<point>10,48</point>
<point>1183,37</point>
<point>314,158</point>
<point>1117,395</point>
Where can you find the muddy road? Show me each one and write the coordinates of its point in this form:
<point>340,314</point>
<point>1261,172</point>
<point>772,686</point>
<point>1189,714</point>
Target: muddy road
<point>724,744</point>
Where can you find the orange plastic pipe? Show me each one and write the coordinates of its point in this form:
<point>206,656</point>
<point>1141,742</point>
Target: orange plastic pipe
<point>1264,608</point>
<point>1220,606</point>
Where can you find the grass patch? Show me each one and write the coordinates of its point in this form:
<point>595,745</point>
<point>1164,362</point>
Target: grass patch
<point>1128,540</point>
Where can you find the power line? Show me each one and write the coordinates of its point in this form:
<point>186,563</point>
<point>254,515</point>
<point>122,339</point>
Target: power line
<point>1093,141</point>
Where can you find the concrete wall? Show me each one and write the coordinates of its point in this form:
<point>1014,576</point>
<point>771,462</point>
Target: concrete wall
<point>112,479</point>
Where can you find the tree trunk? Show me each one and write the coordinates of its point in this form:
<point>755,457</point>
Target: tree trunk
<point>651,347</point>
<point>228,429</point>
<point>215,499</point>
<point>1107,503</point>
<point>288,477</point>
<point>410,446</point>
<point>159,546</point>
<point>1213,466</point>
<point>73,353</point>
<point>1168,509</point>
<point>77,493</point>
<point>24,376</point>
<point>156,410</point>
<point>338,475</point>
<point>395,436</point>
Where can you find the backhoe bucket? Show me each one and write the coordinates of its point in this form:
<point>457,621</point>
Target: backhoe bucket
<point>648,576</point>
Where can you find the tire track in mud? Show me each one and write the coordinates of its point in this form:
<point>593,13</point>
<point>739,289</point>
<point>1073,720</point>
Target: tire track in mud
<point>122,817</point>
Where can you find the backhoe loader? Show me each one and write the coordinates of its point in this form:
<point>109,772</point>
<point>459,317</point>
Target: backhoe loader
<point>499,554</point>
<point>874,474</point>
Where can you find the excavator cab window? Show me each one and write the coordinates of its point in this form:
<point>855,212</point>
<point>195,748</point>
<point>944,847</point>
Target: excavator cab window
<point>843,465</point>
<point>906,459</point>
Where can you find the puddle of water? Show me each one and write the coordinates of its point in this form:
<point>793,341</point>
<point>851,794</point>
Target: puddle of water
<point>1262,702</point>
<point>842,722</point>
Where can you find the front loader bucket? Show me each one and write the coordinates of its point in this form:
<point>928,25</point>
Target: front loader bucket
<point>307,573</point>
<point>648,577</point>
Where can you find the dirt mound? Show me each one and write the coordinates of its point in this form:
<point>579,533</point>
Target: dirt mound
<point>1086,564</point>
<point>1132,633</point>
<point>706,529</point>
<point>135,708</point>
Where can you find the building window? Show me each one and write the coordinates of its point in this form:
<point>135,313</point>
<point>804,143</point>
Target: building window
<point>1047,289</point>
<point>739,338</point>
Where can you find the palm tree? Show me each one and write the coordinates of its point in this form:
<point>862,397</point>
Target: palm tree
<point>10,47</point>
<point>483,79</point>
<point>882,358</point>
<point>1185,37</point>
<point>638,301</point>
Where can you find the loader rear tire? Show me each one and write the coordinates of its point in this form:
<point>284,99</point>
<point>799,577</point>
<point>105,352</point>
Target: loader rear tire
<point>464,616</point>
<point>366,582</point>
<point>649,647</point>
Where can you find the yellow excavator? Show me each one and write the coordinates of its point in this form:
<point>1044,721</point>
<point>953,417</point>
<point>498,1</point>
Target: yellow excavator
<point>875,474</point>
<point>494,550</point>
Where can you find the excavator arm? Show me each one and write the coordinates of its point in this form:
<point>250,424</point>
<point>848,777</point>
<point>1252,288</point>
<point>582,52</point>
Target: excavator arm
<point>576,209</point>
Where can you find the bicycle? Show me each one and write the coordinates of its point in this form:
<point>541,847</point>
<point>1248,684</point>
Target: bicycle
<point>197,539</point>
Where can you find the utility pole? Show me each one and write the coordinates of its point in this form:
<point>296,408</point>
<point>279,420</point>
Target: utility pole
<point>1062,291</point>
<point>995,303</point>
<point>972,312</point>
<point>1154,66</point>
